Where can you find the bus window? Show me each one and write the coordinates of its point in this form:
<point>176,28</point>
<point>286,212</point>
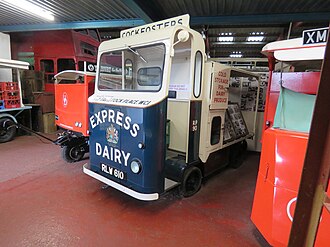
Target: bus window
<point>47,66</point>
<point>65,64</point>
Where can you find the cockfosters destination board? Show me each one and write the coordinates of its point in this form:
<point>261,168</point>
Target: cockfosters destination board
<point>182,20</point>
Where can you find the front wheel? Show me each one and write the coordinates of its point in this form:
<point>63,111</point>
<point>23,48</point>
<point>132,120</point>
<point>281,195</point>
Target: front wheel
<point>191,182</point>
<point>7,130</point>
<point>71,153</point>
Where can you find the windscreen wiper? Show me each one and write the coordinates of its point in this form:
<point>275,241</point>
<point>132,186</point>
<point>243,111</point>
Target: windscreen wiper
<point>137,53</point>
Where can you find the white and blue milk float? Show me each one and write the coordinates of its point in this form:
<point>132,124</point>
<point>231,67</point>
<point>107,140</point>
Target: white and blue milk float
<point>159,116</point>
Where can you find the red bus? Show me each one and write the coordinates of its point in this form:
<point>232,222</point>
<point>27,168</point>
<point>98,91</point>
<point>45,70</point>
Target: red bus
<point>56,51</point>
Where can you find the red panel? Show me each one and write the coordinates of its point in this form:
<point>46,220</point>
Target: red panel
<point>281,163</point>
<point>71,105</point>
<point>302,82</point>
<point>289,152</point>
<point>284,205</point>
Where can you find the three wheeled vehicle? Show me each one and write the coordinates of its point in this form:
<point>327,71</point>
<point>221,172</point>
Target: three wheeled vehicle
<point>288,114</point>
<point>160,115</point>
<point>72,89</point>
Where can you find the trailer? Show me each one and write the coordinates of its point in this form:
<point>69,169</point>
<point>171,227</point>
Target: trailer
<point>72,89</point>
<point>289,108</point>
<point>11,104</point>
<point>160,115</point>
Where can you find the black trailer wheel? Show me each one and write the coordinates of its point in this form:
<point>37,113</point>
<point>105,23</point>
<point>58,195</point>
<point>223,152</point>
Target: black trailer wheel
<point>71,153</point>
<point>237,154</point>
<point>7,130</point>
<point>191,182</point>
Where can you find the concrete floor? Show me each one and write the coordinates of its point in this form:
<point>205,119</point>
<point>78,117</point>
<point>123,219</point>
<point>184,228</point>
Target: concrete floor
<point>47,202</point>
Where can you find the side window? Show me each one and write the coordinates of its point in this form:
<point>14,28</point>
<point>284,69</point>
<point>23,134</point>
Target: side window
<point>65,64</point>
<point>149,76</point>
<point>198,74</point>
<point>215,130</point>
<point>47,66</point>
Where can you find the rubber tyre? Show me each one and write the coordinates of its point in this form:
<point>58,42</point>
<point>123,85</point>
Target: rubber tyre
<point>7,134</point>
<point>72,153</point>
<point>237,154</point>
<point>191,182</point>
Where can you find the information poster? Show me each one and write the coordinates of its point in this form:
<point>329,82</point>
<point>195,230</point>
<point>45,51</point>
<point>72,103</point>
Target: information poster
<point>220,89</point>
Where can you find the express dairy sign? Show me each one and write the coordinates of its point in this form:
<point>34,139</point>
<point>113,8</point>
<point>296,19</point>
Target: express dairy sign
<point>115,121</point>
<point>179,20</point>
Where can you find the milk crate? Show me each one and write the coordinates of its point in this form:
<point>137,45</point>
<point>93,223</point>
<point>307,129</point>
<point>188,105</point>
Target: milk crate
<point>8,86</point>
<point>12,104</point>
<point>11,95</point>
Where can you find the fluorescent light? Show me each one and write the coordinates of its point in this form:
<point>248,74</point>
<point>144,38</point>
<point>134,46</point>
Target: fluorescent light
<point>226,39</point>
<point>32,8</point>
<point>255,38</point>
<point>236,55</point>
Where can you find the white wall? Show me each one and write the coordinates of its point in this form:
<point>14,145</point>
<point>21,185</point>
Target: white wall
<point>5,74</point>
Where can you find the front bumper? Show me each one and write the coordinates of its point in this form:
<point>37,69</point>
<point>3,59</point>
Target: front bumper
<point>137,195</point>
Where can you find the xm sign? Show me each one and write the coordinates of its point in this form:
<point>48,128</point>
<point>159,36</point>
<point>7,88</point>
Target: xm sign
<point>315,36</point>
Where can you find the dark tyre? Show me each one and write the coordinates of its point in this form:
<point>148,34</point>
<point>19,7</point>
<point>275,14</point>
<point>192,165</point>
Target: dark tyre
<point>237,154</point>
<point>191,182</point>
<point>7,130</point>
<point>71,153</point>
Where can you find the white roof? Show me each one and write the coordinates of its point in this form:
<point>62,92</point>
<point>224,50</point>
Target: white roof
<point>13,64</point>
<point>71,75</point>
<point>294,50</point>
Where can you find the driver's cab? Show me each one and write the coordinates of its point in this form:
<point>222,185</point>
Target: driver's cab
<point>148,81</point>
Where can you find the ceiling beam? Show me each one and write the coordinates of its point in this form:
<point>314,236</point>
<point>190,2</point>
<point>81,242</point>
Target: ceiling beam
<point>115,23</point>
<point>132,4</point>
<point>265,18</point>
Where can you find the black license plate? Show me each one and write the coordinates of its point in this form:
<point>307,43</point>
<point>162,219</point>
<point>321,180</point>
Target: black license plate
<point>114,172</point>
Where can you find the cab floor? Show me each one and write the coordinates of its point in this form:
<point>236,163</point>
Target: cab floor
<point>47,202</point>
